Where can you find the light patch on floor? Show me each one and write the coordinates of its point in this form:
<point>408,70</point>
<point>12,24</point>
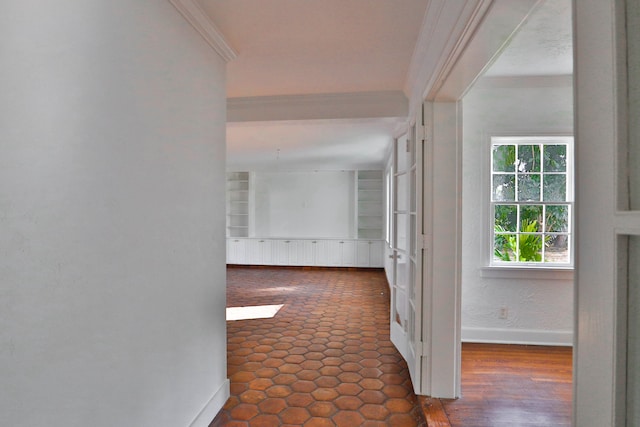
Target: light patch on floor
<point>253,312</point>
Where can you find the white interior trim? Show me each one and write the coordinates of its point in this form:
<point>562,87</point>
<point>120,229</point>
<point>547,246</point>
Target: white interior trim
<point>440,34</point>
<point>626,222</point>
<point>213,406</point>
<point>473,18</point>
<point>199,20</point>
<point>498,25</point>
<point>517,336</point>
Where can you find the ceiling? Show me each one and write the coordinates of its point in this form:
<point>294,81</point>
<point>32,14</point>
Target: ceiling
<point>542,46</point>
<point>294,47</point>
<point>312,48</point>
<point>309,144</point>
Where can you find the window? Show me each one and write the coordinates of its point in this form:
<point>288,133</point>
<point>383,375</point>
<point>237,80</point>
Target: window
<point>531,201</point>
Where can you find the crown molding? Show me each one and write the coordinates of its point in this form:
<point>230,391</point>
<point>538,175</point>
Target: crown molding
<point>487,33</point>
<point>199,20</point>
<point>468,27</point>
<point>444,27</point>
<point>457,43</point>
<point>419,59</point>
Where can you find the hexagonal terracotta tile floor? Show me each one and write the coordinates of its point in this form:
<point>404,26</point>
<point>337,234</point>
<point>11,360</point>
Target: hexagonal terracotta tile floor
<point>324,360</point>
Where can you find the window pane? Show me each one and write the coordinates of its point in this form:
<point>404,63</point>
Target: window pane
<point>557,219</point>
<point>557,248</point>
<point>506,218</point>
<point>401,231</point>
<point>531,214</point>
<point>402,159</point>
<point>504,247</point>
<point>531,219</point>
<point>529,158</point>
<point>555,158</point>
<point>530,247</point>
<point>504,188</point>
<point>529,188</point>
<point>401,192</point>
<point>504,158</point>
<point>555,188</point>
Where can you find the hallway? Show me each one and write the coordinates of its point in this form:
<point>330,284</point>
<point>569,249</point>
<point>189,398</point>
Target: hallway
<point>325,359</point>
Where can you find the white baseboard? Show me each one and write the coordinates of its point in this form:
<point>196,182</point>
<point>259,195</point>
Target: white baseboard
<point>213,406</point>
<point>517,336</point>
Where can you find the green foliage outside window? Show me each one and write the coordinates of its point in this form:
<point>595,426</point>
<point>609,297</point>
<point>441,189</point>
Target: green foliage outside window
<point>529,195</point>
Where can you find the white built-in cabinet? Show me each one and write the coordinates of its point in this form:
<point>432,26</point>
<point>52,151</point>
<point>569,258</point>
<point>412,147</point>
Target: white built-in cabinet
<point>306,252</point>
<point>364,249</point>
<point>370,252</point>
<point>236,251</point>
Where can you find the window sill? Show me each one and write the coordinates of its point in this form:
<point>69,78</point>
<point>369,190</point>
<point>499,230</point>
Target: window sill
<point>521,272</point>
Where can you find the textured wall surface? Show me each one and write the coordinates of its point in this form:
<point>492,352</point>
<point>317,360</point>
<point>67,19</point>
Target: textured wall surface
<point>538,310</point>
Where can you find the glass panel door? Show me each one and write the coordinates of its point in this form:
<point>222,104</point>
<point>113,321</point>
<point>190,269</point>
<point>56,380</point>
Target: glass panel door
<point>414,294</point>
<point>399,248</point>
<point>406,298</point>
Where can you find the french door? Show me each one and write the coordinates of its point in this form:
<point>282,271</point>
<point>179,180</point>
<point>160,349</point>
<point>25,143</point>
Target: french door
<point>406,251</point>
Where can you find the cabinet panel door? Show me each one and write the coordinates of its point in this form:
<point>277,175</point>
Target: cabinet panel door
<point>236,252</point>
<point>348,253</point>
<point>269,252</point>
<point>252,252</point>
<point>296,252</point>
<point>362,250</point>
<point>376,254</point>
<point>282,252</point>
<point>264,253</point>
<point>334,253</point>
<point>320,253</point>
<point>307,251</point>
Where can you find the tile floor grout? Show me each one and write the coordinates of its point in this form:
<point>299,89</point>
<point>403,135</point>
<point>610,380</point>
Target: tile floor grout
<point>324,360</point>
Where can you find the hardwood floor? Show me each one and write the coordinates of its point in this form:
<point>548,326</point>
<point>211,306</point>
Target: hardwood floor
<point>509,386</point>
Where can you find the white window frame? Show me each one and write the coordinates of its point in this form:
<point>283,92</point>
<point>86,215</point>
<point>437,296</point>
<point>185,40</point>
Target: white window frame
<point>513,269</point>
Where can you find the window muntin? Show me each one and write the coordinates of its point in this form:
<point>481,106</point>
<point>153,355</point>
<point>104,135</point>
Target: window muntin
<point>531,201</point>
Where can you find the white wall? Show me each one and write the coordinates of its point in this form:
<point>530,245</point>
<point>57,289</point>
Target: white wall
<point>539,311</point>
<point>112,256</point>
<point>305,204</point>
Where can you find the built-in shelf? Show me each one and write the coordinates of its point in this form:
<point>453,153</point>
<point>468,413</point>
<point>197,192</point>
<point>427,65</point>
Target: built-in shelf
<point>370,190</point>
<point>238,204</point>
<point>368,204</point>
